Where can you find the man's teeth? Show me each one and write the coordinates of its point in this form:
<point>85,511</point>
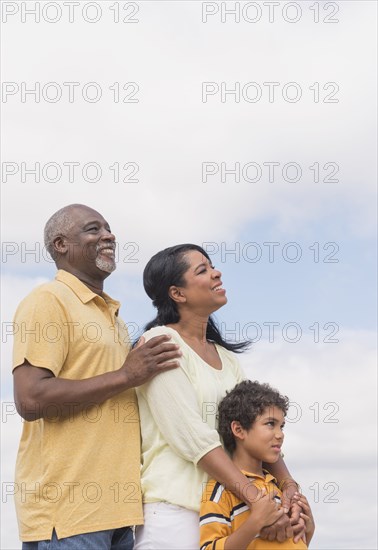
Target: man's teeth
<point>218,288</point>
<point>107,251</point>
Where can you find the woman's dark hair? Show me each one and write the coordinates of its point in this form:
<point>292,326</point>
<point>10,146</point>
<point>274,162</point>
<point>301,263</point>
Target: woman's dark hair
<point>167,269</point>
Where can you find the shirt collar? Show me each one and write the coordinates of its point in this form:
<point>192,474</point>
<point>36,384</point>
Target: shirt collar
<point>266,477</point>
<point>84,293</point>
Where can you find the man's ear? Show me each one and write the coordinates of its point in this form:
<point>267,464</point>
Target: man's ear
<point>60,245</point>
<point>237,429</point>
<point>176,294</point>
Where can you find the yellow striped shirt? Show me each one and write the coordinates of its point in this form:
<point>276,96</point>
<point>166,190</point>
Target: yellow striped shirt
<point>222,513</point>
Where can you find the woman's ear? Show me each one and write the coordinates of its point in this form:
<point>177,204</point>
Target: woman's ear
<point>237,429</point>
<point>176,294</point>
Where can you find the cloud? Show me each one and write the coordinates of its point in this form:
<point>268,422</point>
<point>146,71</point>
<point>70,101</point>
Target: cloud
<point>169,134</point>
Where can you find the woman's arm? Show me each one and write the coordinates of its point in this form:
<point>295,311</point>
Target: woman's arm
<point>264,512</point>
<point>288,487</point>
<point>285,481</point>
<point>173,403</point>
<point>219,466</point>
<point>174,406</point>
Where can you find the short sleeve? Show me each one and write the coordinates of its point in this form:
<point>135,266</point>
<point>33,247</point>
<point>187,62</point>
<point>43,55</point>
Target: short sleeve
<point>40,332</point>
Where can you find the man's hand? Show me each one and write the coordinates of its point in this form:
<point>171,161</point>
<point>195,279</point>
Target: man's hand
<point>36,388</point>
<point>150,358</point>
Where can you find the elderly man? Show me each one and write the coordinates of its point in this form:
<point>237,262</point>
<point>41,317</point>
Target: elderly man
<point>78,461</point>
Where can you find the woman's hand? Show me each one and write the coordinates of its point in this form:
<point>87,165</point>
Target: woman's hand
<point>264,512</point>
<point>280,530</point>
<point>291,525</point>
<point>306,516</point>
<point>289,489</point>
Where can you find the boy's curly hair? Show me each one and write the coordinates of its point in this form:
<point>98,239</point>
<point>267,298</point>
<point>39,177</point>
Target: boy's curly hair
<point>243,404</point>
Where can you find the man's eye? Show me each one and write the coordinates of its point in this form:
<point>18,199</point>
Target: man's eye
<point>93,228</point>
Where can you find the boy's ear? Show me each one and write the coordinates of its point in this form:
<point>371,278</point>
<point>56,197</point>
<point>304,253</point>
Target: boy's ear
<point>176,294</point>
<point>237,429</point>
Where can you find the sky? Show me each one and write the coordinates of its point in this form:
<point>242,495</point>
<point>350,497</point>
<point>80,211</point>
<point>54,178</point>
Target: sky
<point>248,128</point>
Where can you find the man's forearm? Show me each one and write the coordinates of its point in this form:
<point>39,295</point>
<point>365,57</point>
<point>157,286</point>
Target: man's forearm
<point>55,397</point>
<point>36,388</point>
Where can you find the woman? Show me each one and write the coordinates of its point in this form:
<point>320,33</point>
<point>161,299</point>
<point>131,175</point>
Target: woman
<point>180,444</point>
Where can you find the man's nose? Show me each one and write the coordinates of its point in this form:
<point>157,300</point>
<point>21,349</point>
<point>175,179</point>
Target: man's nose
<point>107,235</point>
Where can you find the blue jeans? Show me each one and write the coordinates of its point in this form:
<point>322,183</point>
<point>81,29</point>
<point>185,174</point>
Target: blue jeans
<point>111,539</point>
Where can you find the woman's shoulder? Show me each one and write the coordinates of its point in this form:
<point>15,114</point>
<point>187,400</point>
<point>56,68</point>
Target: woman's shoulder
<point>160,330</point>
<point>163,329</point>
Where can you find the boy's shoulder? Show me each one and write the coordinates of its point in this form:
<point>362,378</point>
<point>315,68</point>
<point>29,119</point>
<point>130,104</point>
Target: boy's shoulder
<point>217,493</point>
<point>219,505</point>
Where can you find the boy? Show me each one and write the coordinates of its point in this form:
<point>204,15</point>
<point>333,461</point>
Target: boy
<point>251,419</point>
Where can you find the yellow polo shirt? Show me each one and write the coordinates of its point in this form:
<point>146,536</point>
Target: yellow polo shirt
<point>80,474</point>
<point>222,513</point>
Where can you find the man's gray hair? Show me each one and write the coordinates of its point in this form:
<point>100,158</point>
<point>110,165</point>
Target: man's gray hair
<point>59,224</point>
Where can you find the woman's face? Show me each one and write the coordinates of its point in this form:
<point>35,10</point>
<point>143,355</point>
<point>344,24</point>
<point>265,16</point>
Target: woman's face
<point>202,290</point>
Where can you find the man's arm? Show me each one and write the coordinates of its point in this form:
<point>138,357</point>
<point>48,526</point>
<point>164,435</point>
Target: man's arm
<point>36,388</point>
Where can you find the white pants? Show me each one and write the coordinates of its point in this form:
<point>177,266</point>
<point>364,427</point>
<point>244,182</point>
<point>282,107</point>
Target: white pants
<point>167,527</point>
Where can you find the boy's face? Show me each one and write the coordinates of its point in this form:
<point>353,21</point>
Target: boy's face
<point>263,441</point>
